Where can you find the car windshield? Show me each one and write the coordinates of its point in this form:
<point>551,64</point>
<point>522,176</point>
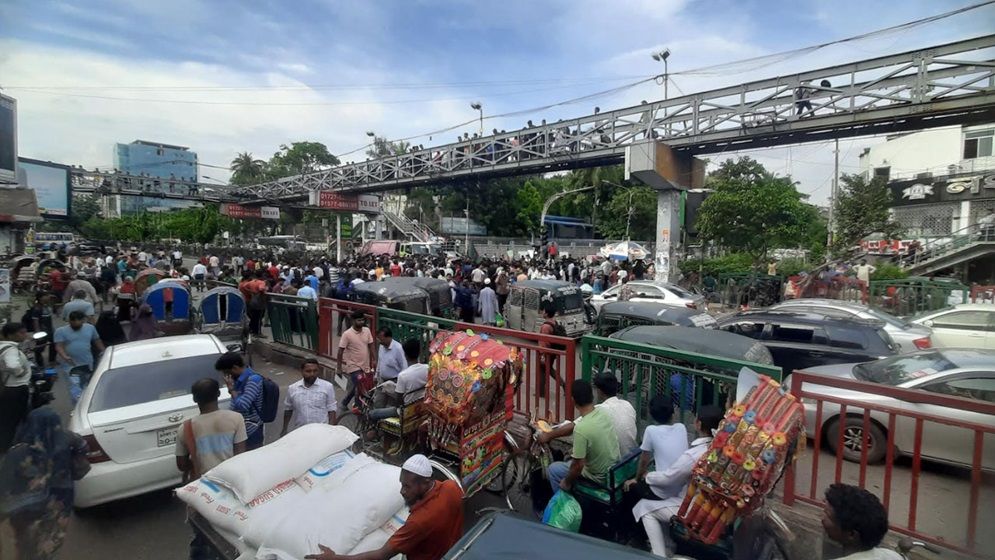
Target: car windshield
<point>898,370</point>
<point>153,381</point>
<point>570,302</point>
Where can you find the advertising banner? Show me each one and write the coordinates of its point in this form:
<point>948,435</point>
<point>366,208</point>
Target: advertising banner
<point>366,203</point>
<point>261,212</point>
<point>51,184</point>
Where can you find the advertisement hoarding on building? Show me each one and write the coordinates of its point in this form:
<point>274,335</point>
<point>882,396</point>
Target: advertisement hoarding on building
<point>51,184</point>
<point>8,139</point>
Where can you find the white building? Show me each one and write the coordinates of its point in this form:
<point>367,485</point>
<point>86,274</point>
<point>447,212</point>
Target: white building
<point>925,170</point>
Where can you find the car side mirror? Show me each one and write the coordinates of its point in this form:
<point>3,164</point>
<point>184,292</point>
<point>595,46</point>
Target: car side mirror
<point>927,323</point>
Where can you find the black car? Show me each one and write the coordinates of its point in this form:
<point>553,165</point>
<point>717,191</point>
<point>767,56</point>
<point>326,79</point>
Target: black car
<point>798,340</point>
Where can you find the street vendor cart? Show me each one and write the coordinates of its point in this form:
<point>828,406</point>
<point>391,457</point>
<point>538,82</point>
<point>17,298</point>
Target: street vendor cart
<point>468,400</point>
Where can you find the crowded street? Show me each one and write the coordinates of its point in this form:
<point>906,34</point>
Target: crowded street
<point>696,281</point>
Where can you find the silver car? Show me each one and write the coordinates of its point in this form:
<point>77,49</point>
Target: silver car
<point>965,373</point>
<point>909,337</point>
<point>652,291</point>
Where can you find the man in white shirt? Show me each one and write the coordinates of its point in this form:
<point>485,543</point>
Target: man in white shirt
<point>864,271</point>
<point>663,443</point>
<point>621,412</point>
<point>663,490</point>
<point>199,274</point>
<point>215,263</point>
<point>408,388</point>
<point>390,356</point>
<point>310,400</point>
<point>856,520</point>
<point>477,276</point>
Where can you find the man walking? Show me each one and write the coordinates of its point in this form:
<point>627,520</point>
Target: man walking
<point>15,377</point>
<point>390,356</point>
<point>75,343</point>
<point>356,353</point>
<point>246,389</point>
<point>487,304</point>
<point>310,400</point>
<point>79,303</point>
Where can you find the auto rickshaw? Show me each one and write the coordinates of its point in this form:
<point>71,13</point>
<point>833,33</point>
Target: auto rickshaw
<point>393,293</point>
<point>440,296</point>
<point>222,312</point>
<point>617,315</point>
<point>524,309</point>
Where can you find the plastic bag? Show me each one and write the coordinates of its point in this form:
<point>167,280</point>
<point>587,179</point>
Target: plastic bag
<point>499,320</point>
<point>563,512</point>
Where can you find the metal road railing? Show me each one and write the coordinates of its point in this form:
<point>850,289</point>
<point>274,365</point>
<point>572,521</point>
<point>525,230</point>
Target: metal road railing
<point>293,320</point>
<point>909,297</point>
<point>917,423</point>
<point>956,241</point>
<point>690,380</point>
<point>936,86</point>
<point>541,394</point>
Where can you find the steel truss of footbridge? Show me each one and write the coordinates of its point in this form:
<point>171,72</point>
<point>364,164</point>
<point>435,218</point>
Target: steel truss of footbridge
<point>942,85</point>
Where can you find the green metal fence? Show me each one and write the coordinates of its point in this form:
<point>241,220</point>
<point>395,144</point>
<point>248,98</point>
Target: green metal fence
<point>912,296</point>
<point>405,325</point>
<point>293,320</point>
<point>690,380</point>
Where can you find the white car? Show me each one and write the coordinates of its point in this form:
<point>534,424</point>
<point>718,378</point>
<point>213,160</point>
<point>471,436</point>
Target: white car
<point>970,325</point>
<point>651,291</point>
<point>131,412</point>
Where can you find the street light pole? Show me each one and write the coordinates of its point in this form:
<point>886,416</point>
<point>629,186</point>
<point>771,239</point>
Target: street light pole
<point>478,106</point>
<point>663,56</point>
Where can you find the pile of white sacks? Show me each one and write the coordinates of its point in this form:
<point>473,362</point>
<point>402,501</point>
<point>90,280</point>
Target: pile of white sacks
<point>282,500</point>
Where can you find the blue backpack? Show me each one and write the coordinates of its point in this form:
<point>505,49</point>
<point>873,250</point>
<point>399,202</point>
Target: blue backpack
<point>271,399</point>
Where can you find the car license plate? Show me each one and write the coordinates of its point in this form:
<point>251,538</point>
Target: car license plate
<point>166,436</point>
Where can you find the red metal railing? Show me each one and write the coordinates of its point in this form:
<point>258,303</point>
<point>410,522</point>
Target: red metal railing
<point>982,294</point>
<point>541,395</point>
<point>914,416</point>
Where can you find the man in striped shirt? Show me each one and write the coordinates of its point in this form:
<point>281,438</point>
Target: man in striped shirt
<point>246,389</point>
<point>310,400</point>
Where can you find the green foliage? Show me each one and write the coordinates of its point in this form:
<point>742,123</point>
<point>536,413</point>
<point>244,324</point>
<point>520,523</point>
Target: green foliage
<point>381,147</point>
<point>299,158</point>
<point>861,209</point>
<point>247,170</point>
<point>752,210</point>
<point>195,225</point>
<point>887,271</point>
<point>791,267</point>
<point>732,263</point>
<point>634,207</point>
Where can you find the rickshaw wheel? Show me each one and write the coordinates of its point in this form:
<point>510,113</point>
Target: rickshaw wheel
<point>498,484</point>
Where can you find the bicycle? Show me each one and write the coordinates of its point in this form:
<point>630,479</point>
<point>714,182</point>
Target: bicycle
<point>905,545</point>
<point>357,418</point>
<point>524,467</point>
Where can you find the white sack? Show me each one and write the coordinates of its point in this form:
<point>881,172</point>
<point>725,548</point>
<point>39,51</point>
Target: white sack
<point>250,474</point>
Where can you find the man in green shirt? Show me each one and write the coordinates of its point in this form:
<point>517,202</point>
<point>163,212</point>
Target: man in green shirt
<point>595,445</point>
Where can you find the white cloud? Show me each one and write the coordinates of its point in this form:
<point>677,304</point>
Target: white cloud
<point>83,130</point>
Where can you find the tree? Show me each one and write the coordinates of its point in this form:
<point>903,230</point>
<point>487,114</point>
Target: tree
<point>633,209</point>
<point>299,158</point>
<point>246,169</point>
<point>861,209</point>
<point>752,210</point>
<point>381,147</point>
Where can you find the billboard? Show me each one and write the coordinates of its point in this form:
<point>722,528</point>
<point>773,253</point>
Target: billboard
<point>51,183</point>
<point>458,226</point>
<point>239,211</point>
<point>8,139</point>
<point>349,202</point>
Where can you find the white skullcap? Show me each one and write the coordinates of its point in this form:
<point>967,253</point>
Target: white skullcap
<point>418,464</point>
<point>487,281</point>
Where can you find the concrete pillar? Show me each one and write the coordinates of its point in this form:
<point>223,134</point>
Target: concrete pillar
<point>668,172</point>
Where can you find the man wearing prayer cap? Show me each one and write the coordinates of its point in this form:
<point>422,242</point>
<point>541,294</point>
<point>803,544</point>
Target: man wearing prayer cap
<point>434,524</point>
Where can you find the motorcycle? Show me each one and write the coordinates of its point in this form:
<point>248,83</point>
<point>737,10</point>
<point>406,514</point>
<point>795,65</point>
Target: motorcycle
<point>42,379</point>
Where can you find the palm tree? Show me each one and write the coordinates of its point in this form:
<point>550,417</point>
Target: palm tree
<point>246,169</point>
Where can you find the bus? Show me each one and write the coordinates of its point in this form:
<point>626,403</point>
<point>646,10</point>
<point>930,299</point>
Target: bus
<point>62,238</point>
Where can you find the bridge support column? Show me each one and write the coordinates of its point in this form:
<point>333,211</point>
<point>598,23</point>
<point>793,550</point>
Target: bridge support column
<point>668,172</point>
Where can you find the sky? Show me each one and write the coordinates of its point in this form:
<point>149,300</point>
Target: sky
<point>230,76</point>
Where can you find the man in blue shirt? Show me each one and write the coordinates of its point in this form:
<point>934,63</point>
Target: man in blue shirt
<point>390,356</point>
<point>75,343</point>
<point>246,389</point>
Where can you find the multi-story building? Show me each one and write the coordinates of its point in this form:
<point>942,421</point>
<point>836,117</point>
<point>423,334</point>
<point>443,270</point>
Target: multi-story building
<point>154,159</point>
<point>942,183</point>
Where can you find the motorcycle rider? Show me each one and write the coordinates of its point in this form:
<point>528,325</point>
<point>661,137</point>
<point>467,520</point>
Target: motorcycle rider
<point>15,393</point>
